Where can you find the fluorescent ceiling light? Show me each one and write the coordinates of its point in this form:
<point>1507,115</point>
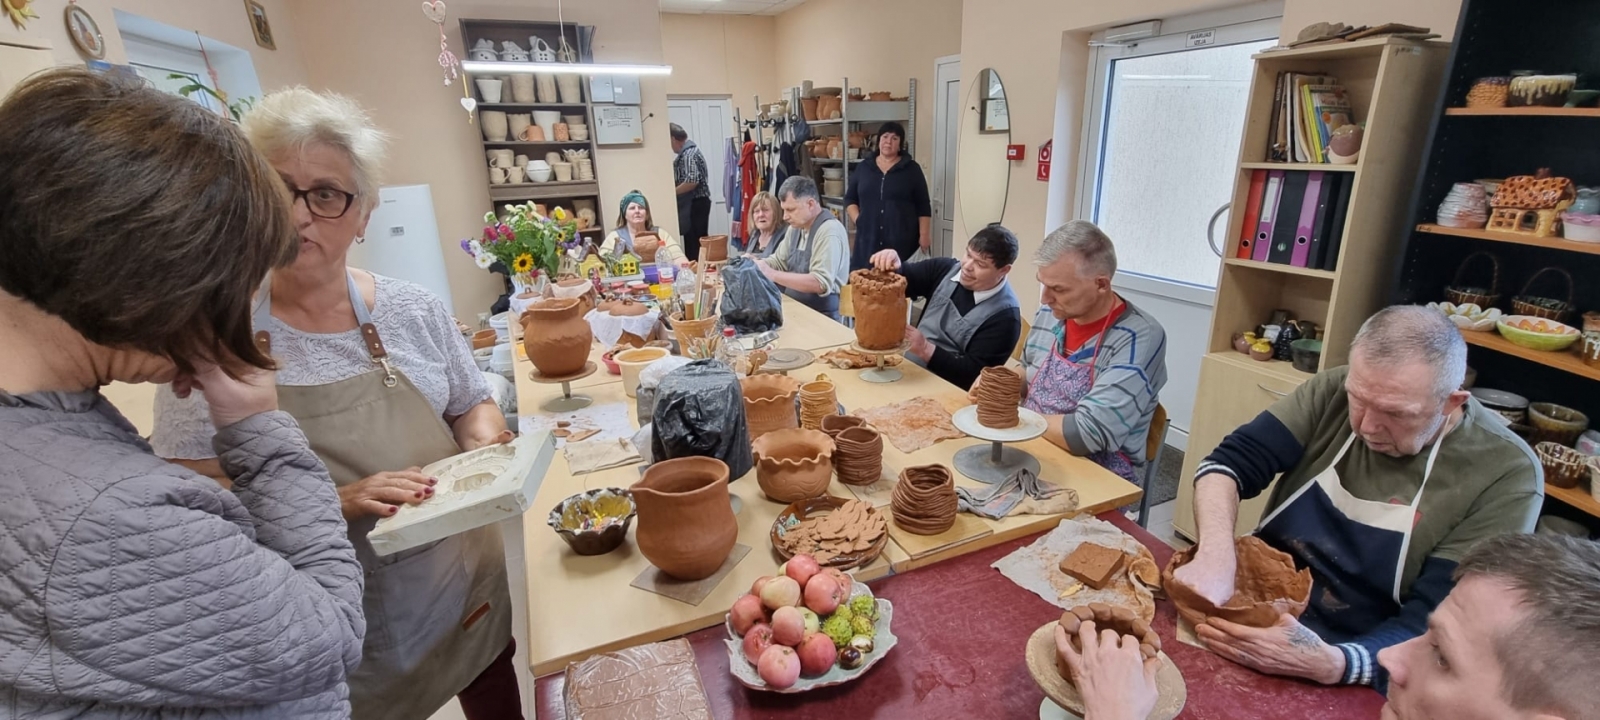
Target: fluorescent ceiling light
<point>483,66</point>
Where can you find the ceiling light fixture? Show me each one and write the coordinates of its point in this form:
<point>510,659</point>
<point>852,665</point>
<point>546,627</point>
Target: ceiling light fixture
<point>497,67</point>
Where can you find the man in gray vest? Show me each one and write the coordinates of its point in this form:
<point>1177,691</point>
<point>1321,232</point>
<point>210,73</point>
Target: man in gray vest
<point>973,318</point>
<point>813,261</point>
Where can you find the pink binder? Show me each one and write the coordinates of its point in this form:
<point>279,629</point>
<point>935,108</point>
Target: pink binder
<point>1308,213</point>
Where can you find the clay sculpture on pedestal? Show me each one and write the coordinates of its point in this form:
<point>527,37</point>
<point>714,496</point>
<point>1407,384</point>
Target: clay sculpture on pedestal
<point>880,303</point>
<point>924,501</point>
<point>998,395</point>
<point>686,521</point>
<point>556,336</point>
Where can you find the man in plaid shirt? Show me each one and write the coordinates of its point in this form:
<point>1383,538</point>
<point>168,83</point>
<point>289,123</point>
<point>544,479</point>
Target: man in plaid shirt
<point>689,173</point>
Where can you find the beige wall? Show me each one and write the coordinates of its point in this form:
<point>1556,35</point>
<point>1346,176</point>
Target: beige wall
<point>385,54</point>
<point>714,54</point>
<point>879,45</point>
<point>1039,49</point>
<point>219,19</point>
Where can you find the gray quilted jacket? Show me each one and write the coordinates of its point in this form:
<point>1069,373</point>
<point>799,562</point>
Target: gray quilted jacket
<point>133,588</point>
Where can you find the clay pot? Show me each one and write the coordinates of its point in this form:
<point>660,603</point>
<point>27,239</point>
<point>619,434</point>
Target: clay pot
<point>645,245</point>
<point>1265,587</point>
<point>769,403</point>
<point>835,424</point>
<point>817,400</point>
<point>556,336</point>
<point>578,289</point>
<point>518,123</point>
<point>632,362</point>
<point>858,455</point>
<point>482,339</point>
<point>686,522</point>
<point>808,108</point>
<point>793,464</point>
<point>714,248</point>
<point>688,330</point>
<point>880,300</point>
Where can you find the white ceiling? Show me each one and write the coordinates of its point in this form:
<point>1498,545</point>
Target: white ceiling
<point>729,7</point>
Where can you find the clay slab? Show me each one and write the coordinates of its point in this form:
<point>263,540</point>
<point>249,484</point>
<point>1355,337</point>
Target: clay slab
<point>475,488</point>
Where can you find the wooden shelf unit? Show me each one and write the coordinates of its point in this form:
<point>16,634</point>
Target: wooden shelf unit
<point>1562,360</point>
<point>1383,77</point>
<point>1577,497</point>
<point>1525,111</point>
<point>1509,237</point>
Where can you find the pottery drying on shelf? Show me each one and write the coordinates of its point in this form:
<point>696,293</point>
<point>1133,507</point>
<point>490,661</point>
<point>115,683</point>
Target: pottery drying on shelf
<point>494,125</point>
<point>522,88</point>
<point>924,501</point>
<point>858,455</point>
<point>999,394</point>
<point>793,464</point>
<point>556,337</point>
<point>880,300</point>
<point>1266,586</point>
<point>476,488</point>
<point>686,521</point>
<point>769,403</point>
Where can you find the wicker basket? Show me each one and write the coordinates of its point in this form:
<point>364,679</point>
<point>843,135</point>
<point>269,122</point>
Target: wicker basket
<point>1549,308</point>
<point>1461,294</point>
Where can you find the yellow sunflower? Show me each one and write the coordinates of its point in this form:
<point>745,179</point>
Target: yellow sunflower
<point>523,263</point>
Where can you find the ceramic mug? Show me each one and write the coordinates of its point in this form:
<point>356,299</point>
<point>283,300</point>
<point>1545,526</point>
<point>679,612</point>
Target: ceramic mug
<point>518,123</point>
<point>522,161</point>
<point>1591,348</point>
<point>501,158</point>
<point>497,176</point>
<point>513,175</point>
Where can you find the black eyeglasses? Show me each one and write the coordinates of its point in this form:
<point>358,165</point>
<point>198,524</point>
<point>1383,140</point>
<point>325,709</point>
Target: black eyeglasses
<point>324,202</point>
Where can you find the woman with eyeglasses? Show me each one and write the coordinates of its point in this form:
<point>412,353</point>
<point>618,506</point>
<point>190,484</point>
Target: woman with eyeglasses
<point>382,382</point>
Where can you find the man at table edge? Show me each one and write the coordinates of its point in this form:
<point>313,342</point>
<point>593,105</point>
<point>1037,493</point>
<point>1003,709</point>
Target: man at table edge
<point>973,318</point>
<point>1380,540</point>
<point>1094,363</point>
<point>813,259</point>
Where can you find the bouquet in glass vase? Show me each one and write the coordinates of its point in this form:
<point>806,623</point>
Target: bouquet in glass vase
<point>527,244</point>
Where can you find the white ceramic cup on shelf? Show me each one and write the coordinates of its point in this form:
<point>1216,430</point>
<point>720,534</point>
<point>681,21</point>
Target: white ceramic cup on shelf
<point>563,171</point>
<point>514,175</point>
<point>489,89</point>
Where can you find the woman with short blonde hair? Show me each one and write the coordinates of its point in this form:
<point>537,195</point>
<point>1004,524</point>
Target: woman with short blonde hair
<point>766,225</point>
<point>383,383</point>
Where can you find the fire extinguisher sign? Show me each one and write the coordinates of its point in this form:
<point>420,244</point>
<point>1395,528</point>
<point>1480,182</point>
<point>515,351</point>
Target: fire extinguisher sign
<point>1044,161</point>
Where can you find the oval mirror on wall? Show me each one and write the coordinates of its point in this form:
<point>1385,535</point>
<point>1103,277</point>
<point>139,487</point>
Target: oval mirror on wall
<point>983,175</point>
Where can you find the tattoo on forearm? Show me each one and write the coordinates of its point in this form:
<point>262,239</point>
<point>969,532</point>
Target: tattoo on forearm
<point>1303,638</point>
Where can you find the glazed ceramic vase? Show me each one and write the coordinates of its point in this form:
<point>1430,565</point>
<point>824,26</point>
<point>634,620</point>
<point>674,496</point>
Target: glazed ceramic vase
<point>494,125</point>
<point>489,89</point>
<point>556,336</point>
<point>793,464</point>
<point>686,522</point>
<point>769,403</point>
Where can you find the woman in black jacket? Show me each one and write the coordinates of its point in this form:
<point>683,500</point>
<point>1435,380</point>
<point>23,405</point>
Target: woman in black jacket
<point>888,201</point>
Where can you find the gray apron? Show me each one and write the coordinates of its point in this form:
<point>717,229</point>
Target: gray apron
<point>800,262</point>
<point>625,240</point>
<point>756,252</point>
<point>946,327</point>
<point>437,615</point>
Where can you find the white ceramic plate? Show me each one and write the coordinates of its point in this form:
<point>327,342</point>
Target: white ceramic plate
<point>883,641</point>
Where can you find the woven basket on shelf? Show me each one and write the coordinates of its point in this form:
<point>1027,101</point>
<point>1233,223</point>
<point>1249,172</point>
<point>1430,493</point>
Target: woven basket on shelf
<point>1549,308</point>
<point>1462,294</point>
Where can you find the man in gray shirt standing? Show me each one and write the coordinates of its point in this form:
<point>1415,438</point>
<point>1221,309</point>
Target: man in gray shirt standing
<point>690,175</point>
<point>813,261</point>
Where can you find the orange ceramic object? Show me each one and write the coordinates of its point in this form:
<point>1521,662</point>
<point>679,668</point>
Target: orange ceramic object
<point>686,521</point>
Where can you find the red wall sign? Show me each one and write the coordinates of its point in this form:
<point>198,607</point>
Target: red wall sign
<point>1044,161</point>
<point>1016,152</point>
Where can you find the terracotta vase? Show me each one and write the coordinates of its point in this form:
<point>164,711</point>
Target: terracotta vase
<point>793,464</point>
<point>714,247</point>
<point>686,522</point>
<point>645,245</point>
<point>808,108</point>
<point>556,336</point>
<point>769,403</point>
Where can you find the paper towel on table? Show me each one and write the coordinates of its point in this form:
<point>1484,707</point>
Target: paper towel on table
<point>1035,567</point>
<point>608,328</point>
<point>588,456</point>
<point>611,419</point>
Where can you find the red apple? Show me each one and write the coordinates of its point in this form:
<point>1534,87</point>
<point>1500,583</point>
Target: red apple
<point>761,582</point>
<point>788,626</point>
<point>757,641</point>
<point>817,654</point>
<point>801,567</point>
<point>841,577</point>
<point>746,612</point>
<point>780,592</point>
<point>779,667</point>
<point>823,595</point>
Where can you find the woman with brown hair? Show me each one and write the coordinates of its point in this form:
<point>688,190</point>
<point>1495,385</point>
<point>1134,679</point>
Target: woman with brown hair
<point>134,228</point>
<point>633,220</point>
<point>383,383</point>
<point>766,225</point>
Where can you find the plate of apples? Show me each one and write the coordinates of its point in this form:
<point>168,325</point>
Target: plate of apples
<point>805,628</point>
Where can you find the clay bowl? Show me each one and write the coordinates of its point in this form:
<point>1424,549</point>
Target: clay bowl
<point>1267,585</point>
<point>1557,424</point>
<point>594,522</point>
<point>835,424</point>
<point>632,362</point>
<point>610,362</point>
<point>1563,466</point>
<point>793,464</point>
<point>769,403</point>
<point>483,338</point>
<point>802,510</point>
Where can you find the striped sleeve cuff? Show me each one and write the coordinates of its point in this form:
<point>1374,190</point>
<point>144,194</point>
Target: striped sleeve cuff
<point>1358,665</point>
<point>1209,467</point>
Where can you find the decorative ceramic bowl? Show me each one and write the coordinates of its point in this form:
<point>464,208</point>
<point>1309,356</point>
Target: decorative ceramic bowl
<point>883,641</point>
<point>1511,406</point>
<point>1561,337</point>
<point>1557,424</point>
<point>1563,466</point>
<point>1306,354</point>
<point>818,506</point>
<point>1469,316</point>
<point>1582,228</point>
<point>594,522</point>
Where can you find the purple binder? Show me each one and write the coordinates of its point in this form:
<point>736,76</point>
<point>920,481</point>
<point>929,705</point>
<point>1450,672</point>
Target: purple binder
<point>1269,213</point>
<point>1308,213</point>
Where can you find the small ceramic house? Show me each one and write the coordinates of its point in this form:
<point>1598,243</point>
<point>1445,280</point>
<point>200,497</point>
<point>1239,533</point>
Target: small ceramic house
<point>1531,204</point>
<point>591,264</point>
<point>627,264</point>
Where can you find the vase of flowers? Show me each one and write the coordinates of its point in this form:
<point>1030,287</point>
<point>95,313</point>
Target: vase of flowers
<point>524,242</point>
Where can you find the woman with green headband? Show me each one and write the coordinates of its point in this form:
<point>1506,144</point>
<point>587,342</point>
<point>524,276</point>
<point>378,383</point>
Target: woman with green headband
<point>633,219</point>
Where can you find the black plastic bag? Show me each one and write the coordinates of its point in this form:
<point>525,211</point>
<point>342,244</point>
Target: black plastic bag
<point>700,411</point>
<point>750,302</point>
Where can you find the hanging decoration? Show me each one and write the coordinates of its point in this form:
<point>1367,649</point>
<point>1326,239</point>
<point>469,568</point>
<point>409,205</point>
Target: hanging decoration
<point>435,10</point>
<point>19,11</point>
<point>85,32</point>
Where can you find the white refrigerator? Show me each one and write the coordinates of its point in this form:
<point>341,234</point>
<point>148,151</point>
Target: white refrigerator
<point>402,240</point>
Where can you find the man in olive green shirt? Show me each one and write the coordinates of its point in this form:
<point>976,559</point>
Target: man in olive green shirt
<point>1390,473</point>
<point>813,261</point>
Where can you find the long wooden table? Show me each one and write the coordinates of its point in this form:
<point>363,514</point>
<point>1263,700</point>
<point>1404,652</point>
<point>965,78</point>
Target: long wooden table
<point>580,605</point>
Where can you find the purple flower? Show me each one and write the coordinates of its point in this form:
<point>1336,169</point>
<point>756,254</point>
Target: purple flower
<point>466,246</point>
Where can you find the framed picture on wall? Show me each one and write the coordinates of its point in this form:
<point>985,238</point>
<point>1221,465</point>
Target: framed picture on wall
<point>259,24</point>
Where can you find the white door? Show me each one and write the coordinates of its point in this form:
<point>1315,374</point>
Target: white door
<point>1160,148</point>
<point>946,135</point>
<point>709,122</point>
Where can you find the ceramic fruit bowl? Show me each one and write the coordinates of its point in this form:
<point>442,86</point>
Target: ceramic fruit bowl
<point>821,507</point>
<point>1469,316</point>
<point>883,641</point>
<point>1537,333</point>
<point>594,522</point>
